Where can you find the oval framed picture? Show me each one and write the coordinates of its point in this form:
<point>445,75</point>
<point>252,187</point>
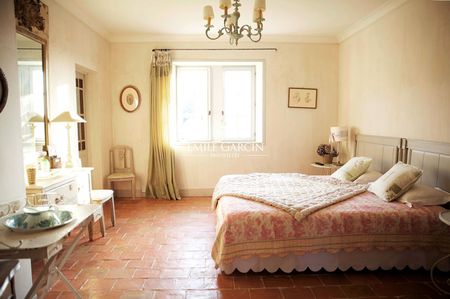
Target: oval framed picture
<point>130,98</point>
<point>3,90</point>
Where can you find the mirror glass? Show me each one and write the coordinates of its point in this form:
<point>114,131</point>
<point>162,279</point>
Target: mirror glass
<point>31,66</point>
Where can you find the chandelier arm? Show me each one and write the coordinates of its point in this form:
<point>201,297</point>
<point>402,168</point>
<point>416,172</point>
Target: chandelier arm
<point>219,33</point>
<point>253,32</point>
<point>259,36</point>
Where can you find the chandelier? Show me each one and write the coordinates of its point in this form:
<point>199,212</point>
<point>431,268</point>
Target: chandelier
<point>231,21</point>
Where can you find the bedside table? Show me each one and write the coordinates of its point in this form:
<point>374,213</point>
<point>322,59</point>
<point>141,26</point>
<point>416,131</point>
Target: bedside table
<point>444,216</point>
<point>327,168</point>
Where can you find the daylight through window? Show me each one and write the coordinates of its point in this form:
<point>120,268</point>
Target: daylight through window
<point>217,102</point>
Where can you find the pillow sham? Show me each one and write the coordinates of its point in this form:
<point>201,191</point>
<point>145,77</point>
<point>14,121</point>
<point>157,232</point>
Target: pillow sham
<point>368,177</point>
<point>351,170</point>
<point>422,195</point>
<point>396,181</point>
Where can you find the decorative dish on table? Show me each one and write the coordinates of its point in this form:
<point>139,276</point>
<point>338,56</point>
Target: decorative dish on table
<point>38,218</point>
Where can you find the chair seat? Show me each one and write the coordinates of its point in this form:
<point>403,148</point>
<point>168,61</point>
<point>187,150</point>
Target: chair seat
<point>101,194</point>
<point>120,175</point>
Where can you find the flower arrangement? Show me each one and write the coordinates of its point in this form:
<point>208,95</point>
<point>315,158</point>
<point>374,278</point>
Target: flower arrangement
<point>327,149</point>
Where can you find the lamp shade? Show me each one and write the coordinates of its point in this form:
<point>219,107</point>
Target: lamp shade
<point>338,133</point>
<point>224,4</point>
<point>260,5</point>
<point>256,15</point>
<point>68,117</point>
<point>208,12</point>
<point>36,118</point>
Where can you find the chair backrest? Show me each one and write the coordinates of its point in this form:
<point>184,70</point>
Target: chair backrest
<point>121,159</point>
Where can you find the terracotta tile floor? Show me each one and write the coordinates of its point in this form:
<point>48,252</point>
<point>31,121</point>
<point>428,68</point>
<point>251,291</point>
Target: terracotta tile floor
<point>161,249</point>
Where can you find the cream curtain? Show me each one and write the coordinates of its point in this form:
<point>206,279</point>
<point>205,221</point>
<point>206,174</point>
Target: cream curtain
<point>161,166</point>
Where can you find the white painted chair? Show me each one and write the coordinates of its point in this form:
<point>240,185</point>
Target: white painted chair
<point>122,167</point>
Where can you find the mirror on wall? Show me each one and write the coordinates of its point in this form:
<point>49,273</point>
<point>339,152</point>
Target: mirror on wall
<point>31,66</point>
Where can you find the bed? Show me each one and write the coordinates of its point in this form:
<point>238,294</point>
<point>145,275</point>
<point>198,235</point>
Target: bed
<point>360,232</point>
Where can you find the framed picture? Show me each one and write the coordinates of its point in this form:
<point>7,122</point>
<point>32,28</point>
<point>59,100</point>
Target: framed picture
<point>130,98</point>
<point>3,90</point>
<point>302,98</point>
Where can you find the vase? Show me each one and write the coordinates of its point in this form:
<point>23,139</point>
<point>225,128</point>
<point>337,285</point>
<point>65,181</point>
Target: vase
<point>31,174</point>
<point>327,159</point>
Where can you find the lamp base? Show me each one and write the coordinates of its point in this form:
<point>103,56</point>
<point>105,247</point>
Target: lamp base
<point>69,163</point>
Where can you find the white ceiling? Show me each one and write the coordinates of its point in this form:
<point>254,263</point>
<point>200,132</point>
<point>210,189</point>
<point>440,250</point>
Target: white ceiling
<point>140,19</point>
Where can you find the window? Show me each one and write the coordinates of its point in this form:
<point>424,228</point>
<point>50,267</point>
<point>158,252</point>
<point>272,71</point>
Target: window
<point>80,88</point>
<point>217,101</point>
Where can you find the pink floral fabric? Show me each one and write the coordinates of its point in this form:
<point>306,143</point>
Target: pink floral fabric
<point>364,222</point>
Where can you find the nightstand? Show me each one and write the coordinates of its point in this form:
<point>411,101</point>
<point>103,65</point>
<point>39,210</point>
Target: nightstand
<point>444,216</point>
<point>327,168</point>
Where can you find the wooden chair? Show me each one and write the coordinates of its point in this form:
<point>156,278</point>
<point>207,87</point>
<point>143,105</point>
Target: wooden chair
<point>122,167</point>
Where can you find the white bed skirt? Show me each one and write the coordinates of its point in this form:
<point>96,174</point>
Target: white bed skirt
<point>358,260</point>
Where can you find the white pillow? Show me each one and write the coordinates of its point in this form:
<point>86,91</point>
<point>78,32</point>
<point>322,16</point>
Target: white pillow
<point>396,181</point>
<point>421,195</point>
<point>351,170</point>
<point>368,177</point>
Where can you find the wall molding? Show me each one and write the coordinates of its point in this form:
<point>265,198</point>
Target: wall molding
<point>144,38</point>
<point>369,19</point>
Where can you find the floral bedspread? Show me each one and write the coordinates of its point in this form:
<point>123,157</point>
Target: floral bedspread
<point>296,193</point>
<point>364,222</point>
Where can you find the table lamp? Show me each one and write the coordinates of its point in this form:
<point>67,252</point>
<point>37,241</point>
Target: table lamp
<point>338,135</point>
<point>68,117</point>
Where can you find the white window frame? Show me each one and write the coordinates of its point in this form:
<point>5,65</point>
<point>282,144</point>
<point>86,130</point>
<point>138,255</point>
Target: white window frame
<point>209,101</point>
<point>216,100</point>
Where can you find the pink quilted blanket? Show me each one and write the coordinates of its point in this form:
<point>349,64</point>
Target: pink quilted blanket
<point>365,222</point>
<point>296,193</point>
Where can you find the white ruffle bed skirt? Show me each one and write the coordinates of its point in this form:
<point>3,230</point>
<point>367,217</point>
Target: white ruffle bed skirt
<point>357,260</point>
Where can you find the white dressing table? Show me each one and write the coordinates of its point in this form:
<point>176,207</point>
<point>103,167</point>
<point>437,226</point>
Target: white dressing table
<point>72,185</point>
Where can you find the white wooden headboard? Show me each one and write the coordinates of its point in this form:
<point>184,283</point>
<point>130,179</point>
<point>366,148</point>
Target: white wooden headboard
<point>385,151</point>
<point>430,156</point>
<point>433,158</point>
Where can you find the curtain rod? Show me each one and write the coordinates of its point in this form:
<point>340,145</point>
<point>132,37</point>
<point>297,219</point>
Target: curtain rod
<point>219,49</point>
<point>34,49</point>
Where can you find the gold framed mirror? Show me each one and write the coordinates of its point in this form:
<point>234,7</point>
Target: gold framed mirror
<point>32,57</point>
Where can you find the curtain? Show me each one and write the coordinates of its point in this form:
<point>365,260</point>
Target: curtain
<point>161,166</point>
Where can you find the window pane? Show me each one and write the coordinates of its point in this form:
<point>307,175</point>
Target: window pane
<point>192,104</point>
<point>238,104</point>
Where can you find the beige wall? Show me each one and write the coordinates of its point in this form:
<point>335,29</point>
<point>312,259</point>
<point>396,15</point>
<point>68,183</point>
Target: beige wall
<point>291,135</point>
<point>394,76</point>
<point>12,181</point>
<point>74,46</point>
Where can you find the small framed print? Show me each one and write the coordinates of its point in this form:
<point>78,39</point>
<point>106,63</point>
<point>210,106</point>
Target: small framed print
<point>302,98</point>
<point>130,98</point>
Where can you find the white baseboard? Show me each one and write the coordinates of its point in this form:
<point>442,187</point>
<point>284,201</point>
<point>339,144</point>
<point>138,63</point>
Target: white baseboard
<point>183,192</point>
<point>196,192</point>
